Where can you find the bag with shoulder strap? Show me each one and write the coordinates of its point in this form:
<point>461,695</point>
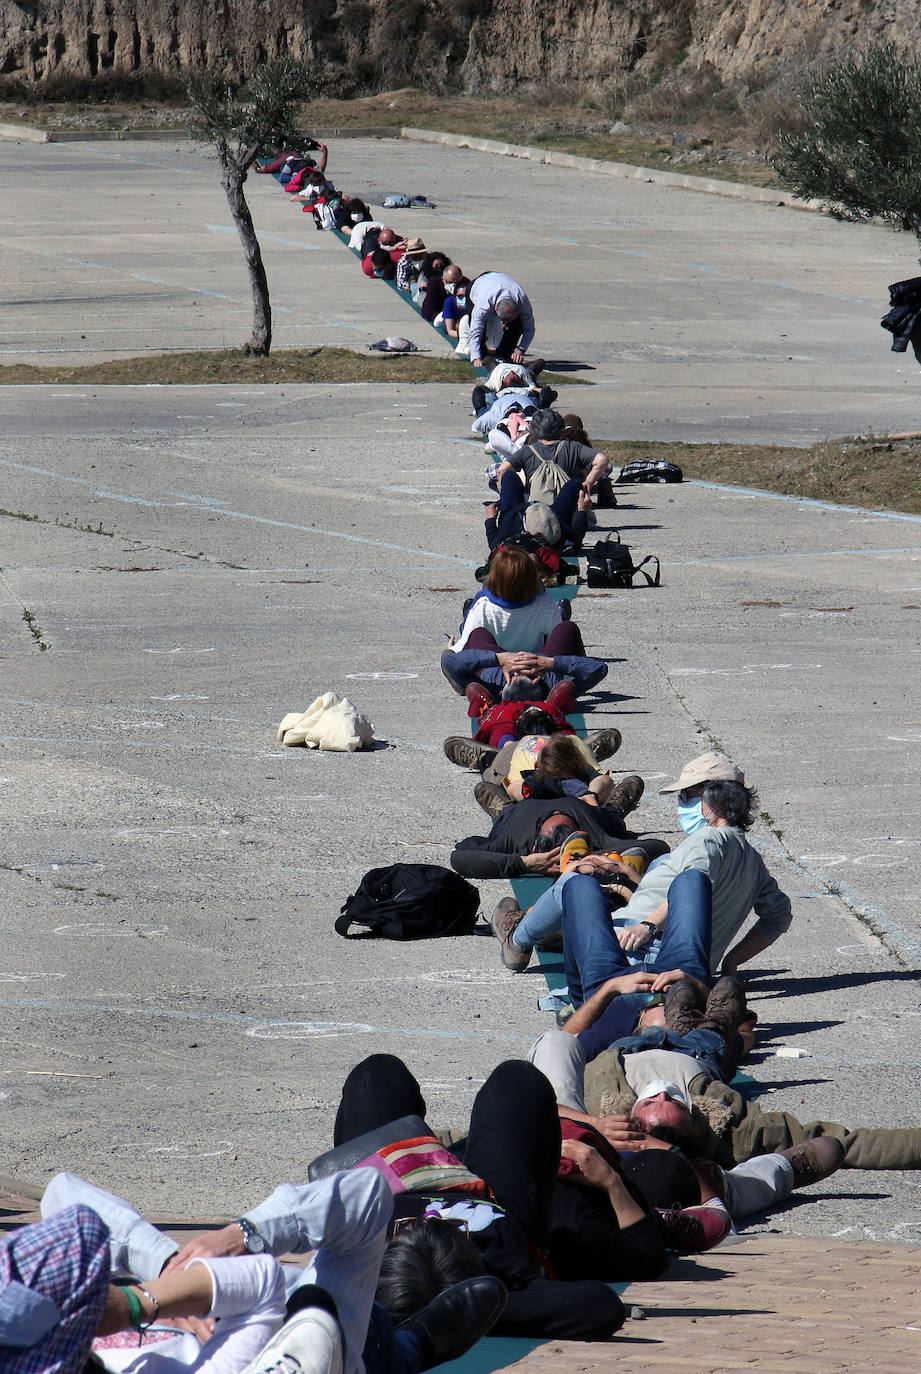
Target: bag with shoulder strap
<point>410,902</point>
<point>610,565</point>
<point>649,470</point>
<point>548,479</point>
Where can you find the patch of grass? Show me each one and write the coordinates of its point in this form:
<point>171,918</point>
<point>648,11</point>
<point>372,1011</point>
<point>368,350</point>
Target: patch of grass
<point>284,365</point>
<point>35,629</point>
<point>19,515</point>
<point>85,529</point>
<point>869,471</point>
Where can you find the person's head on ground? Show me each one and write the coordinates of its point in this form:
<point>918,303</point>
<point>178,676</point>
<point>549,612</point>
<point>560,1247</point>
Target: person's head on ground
<point>381,263</point>
<point>388,238</point>
<point>434,263</point>
<point>451,278</point>
<point>420,1261</point>
<point>543,522</point>
<point>574,430</point>
<point>553,832</point>
<point>729,803</point>
<point>315,177</point>
<point>506,309</point>
<point>691,781</point>
<point>513,575</point>
<point>663,1111</point>
<point>535,720</point>
<point>546,424</point>
<point>561,757</point>
<point>416,250</point>
<point>358,211</point>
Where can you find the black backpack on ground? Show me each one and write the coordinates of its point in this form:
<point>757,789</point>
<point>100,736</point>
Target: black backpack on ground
<point>649,470</point>
<point>610,565</point>
<point>410,902</point>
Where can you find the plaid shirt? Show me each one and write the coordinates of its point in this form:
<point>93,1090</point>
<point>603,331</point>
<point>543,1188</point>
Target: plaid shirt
<point>65,1258</point>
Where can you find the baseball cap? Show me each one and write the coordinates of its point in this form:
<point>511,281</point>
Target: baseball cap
<point>709,767</point>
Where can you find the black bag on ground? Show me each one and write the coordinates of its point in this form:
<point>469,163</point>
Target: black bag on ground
<point>649,470</point>
<point>410,902</point>
<point>610,565</point>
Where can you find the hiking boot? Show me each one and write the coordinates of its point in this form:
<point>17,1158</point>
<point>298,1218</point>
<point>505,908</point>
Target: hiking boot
<point>478,399</point>
<point>504,923</point>
<point>814,1160</point>
<point>536,366</point>
<point>480,699</point>
<point>493,798</point>
<point>626,795</point>
<point>603,743</point>
<point>683,1007</point>
<point>575,848</point>
<point>469,753</point>
<point>562,697</point>
<point>691,1230</point>
<point>546,398</point>
<point>725,1008</point>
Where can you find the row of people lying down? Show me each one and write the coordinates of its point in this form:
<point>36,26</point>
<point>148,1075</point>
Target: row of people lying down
<point>619,1140</point>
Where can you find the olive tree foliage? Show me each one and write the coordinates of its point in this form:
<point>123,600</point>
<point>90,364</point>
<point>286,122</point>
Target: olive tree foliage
<point>860,148</point>
<point>240,124</point>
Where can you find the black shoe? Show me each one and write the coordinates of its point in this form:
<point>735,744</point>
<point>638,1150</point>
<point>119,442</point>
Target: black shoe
<point>457,1318</point>
<point>478,399</point>
<point>536,366</point>
<point>546,398</point>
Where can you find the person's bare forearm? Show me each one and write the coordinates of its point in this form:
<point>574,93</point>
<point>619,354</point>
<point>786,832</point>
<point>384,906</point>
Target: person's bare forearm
<point>588,1013</point>
<point>750,945</point>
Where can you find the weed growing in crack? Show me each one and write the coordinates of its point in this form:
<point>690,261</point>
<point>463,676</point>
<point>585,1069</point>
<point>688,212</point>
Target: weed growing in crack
<point>35,629</point>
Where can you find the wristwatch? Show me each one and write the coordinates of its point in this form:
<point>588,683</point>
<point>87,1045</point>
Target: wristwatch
<point>253,1243</point>
<point>653,929</point>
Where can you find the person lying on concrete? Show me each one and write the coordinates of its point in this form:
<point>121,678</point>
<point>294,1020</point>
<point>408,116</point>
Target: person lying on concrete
<point>379,263</point>
<point>431,284</point>
<point>58,1270</point>
<point>456,305</point>
<point>514,1147</point>
<point>550,766</point>
<point>497,298</point>
<point>562,524</point>
<point>527,836</point>
<point>666,1175</point>
<point>514,628</point>
<point>506,389</point>
<point>724,1126</point>
<point>410,265</point>
<point>546,444</point>
<point>346,1219</point>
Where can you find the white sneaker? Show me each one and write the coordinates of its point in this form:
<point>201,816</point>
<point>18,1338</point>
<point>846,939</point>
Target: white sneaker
<point>310,1343</point>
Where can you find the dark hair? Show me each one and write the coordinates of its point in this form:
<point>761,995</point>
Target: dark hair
<point>534,720</point>
<point>733,802</point>
<point>421,1261</point>
<point>558,835</point>
<point>561,757</point>
<point>513,575</point>
<point>434,263</point>
<point>574,429</point>
<point>358,207</point>
<point>546,424</point>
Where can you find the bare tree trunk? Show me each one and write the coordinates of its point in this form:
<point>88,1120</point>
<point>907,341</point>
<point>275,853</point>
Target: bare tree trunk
<point>232,178</point>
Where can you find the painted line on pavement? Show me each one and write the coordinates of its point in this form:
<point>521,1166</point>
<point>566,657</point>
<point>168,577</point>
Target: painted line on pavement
<point>804,501</point>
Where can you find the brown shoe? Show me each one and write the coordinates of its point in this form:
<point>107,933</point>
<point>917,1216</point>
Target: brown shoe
<point>683,1007</point>
<point>603,743</point>
<point>814,1160</point>
<point>626,795</point>
<point>504,923</point>
<point>725,1009</point>
<point>493,798</point>
<point>469,753</point>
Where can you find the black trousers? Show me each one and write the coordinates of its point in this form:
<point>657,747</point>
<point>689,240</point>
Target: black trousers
<point>514,1145</point>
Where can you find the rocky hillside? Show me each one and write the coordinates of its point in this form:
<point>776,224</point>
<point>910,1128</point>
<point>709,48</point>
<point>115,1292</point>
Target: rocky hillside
<point>472,45</point>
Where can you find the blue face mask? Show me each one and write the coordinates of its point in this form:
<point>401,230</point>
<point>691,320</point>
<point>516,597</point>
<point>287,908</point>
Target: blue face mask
<point>691,816</point>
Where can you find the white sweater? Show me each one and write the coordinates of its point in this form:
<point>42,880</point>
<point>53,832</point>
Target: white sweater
<point>515,625</point>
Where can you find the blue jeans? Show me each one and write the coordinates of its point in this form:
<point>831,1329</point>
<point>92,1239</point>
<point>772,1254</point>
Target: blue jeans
<point>513,502</point>
<point>576,906</point>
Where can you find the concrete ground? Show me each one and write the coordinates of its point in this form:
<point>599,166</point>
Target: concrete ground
<point>176,1012</point>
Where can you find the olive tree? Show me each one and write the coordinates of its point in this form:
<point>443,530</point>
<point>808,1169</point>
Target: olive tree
<point>240,124</point>
<point>859,150</point>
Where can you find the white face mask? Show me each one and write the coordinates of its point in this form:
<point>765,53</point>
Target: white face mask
<point>355,217</point>
<point>449,288</point>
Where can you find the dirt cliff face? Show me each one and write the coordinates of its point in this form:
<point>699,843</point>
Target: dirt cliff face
<point>474,44</point>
